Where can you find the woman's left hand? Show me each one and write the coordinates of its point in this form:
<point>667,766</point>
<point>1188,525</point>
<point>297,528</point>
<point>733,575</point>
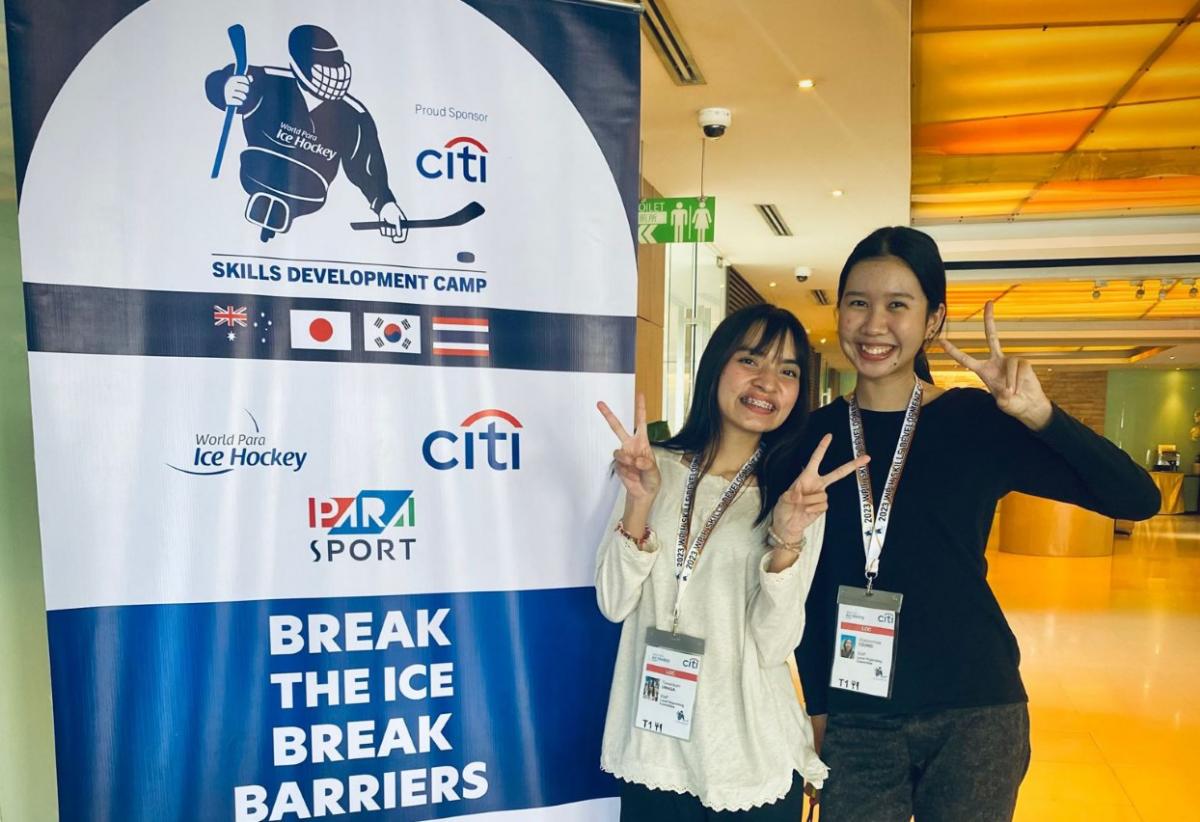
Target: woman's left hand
<point>1010,379</point>
<point>800,505</point>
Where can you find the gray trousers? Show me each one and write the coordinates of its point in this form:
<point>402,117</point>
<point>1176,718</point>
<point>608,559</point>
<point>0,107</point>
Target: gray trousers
<point>959,765</point>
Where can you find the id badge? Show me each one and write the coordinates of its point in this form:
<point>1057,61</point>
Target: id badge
<point>667,686</point>
<point>864,650</point>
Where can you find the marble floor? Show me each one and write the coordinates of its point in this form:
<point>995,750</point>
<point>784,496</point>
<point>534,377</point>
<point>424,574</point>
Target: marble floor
<point>1111,659</point>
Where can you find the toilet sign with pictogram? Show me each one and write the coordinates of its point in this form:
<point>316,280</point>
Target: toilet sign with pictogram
<point>677,220</point>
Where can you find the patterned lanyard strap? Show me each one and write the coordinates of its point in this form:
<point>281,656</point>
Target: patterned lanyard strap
<point>875,523</point>
<point>685,557</point>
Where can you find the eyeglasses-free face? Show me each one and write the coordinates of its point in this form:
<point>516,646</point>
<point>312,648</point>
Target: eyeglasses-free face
<point>883,318</point>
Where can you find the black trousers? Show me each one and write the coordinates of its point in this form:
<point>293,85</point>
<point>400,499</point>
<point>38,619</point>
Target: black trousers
<point>960,765</point>
<point>642,804</point>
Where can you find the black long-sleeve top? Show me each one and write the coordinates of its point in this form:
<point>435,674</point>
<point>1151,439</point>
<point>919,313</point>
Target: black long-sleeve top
<point>955,649</point>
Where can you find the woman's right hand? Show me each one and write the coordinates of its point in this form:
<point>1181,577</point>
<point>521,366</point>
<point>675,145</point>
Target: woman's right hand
<point>634,460</point>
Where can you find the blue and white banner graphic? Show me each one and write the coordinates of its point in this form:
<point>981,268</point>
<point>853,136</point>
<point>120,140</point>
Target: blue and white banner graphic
<point>320,298</point>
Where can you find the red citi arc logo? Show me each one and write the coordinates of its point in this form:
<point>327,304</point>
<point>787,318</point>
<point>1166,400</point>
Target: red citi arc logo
<point>490,445</point>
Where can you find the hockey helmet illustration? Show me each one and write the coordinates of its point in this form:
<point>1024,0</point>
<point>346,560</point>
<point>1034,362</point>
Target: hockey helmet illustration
<point>318,63</point>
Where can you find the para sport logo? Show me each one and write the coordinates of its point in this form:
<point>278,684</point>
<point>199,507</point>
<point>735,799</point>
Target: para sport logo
<point>463,164</point>
<point>501,449</point>
<point>368,514</point>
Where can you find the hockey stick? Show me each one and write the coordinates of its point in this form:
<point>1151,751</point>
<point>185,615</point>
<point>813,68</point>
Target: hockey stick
<point>237,38</point>
<point>464,215</point>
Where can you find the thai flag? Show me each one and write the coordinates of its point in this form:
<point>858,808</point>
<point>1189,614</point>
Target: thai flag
<point>460,337</point>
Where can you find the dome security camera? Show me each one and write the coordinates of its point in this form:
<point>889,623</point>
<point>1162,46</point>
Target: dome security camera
<point>802,273</point>
<point>714,121</point>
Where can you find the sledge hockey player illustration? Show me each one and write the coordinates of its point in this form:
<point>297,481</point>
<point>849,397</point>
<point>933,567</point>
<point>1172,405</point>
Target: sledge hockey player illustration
<point>301,126</point>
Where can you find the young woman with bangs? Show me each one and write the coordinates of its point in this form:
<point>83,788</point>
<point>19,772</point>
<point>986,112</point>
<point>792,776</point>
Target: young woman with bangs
<point>706,563</point>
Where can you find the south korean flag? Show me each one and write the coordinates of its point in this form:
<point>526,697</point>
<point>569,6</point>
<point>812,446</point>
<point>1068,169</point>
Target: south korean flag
<point>392,333</point>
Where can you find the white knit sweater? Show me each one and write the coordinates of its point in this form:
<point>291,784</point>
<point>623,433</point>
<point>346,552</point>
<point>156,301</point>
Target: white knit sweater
<point>750,732</point>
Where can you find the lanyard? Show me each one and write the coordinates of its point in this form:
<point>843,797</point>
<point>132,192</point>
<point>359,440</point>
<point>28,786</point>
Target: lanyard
<point>875,523</point>
<point>686,558</point>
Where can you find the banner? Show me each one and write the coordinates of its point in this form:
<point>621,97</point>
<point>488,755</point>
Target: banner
<point>320,299</point>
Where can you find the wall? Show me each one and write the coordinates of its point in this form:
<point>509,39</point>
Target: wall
<point>27,784</point>
<point>1082,394</point>
<point>651,313</point>
<point>1145,408</point>
<point>648,371</point>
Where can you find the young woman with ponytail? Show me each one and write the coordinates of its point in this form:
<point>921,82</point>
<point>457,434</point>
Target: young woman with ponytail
<point>936,726</point>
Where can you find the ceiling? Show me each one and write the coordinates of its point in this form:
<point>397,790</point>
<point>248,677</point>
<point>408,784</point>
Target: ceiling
<point>786,146</point>
<point>1025,110</point>
<point>958,119</point>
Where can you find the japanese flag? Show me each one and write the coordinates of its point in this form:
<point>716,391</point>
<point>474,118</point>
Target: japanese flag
<point>321,329</point>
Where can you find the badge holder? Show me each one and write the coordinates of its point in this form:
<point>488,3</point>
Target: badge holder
<point>864,653</point>
<point>670,678</point>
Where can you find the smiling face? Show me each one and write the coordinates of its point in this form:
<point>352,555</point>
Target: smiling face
<point>884,318</point>
<point>757,391</point>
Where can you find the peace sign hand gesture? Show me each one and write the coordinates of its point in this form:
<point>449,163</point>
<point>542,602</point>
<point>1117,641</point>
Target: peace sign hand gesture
<point>634,460</point>
<point>801,504</point>
<point>1010,379</point>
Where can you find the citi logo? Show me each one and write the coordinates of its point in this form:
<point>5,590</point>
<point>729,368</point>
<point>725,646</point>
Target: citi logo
<point>463,158</point>
<point>371,512</point>
<point>496,444</point>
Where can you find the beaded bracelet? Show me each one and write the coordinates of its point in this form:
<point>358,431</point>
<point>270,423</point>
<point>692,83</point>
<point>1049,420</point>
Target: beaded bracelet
<point>775,541</point>
<point>638,542</point>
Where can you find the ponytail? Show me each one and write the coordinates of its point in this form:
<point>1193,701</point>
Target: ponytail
<point>921,366</point>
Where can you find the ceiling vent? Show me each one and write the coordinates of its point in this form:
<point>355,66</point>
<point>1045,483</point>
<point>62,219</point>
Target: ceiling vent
<point>774,219</point>
<point>819,296</point>
<point>668,43</point>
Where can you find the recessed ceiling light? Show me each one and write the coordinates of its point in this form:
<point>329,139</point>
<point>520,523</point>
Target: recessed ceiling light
<point>822,341</point>
<point>1171,357</point>
<point>837,192</point>
<point>771,284</point>
<point>806,83</point>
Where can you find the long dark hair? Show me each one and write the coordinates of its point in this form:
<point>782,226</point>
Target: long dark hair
<point>759,328</point>
<point>919,252</point>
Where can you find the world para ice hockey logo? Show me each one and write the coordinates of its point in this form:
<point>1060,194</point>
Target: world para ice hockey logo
<point>302,127</point>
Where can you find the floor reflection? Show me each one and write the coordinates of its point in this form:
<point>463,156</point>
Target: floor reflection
<point>1111,658</point>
